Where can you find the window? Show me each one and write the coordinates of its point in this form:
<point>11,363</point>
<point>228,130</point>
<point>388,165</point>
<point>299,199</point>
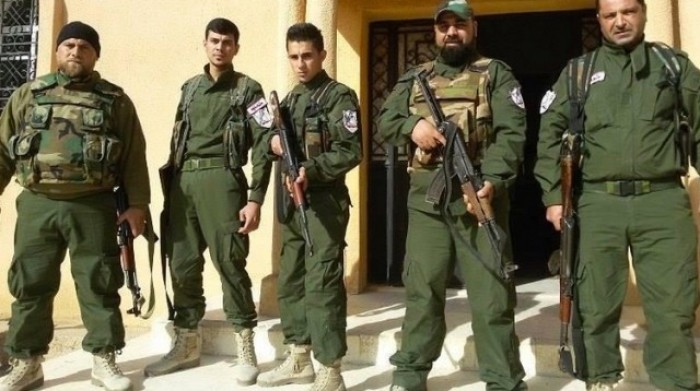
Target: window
<point>19,31</point>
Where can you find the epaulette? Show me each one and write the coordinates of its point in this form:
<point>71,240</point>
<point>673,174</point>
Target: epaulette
<point>482,65</point>
<point>44,83</point>
<point>106,88</point>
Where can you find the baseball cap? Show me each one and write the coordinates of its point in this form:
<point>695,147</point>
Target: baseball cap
<point>461,8</point>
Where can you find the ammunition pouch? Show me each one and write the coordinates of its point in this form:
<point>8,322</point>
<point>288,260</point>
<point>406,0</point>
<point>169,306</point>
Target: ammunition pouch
<point>315,136</point>
<point>236,144</point>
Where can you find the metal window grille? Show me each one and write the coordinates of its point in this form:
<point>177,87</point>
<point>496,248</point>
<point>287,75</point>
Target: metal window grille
<point>19,32</point>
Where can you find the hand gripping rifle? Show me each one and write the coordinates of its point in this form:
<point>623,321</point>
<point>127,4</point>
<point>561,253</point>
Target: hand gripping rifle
<point>125,239</point>
<point>280,117</point>
<point>456,162</point>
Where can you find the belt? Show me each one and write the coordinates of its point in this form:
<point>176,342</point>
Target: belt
<point>194,163</point>
<point>626,188</point>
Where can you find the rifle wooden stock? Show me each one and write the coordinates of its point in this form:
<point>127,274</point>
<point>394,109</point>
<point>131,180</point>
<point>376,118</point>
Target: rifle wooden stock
<point>291,162</point>
<point>125,240</point>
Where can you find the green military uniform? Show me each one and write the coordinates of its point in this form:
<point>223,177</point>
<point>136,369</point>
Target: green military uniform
<point>483,99</point>
<point>311,293</point>
<point>69,144</point>
<point>630,198</point>
<point>227,117</point>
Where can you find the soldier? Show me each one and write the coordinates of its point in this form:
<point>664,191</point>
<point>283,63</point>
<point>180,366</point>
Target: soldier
<point>486,104</point>
<point>222,114</point>
<point>629,195</point>
<point>311,292</point>
<point>69,137</point>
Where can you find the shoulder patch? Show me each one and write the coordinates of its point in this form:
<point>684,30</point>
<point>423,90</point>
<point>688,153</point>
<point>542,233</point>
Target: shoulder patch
<point>547,101</point>
<point>350,120</point>
<point>517,97</point>
<point>258,110</point>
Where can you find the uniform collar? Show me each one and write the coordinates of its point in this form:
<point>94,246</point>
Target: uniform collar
<point>638,55</point>
<point>225,77</point>
<point>314,83</point>
<point>65,81</point>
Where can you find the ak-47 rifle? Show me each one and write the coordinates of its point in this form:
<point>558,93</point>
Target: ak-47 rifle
<point>280,116</point>
<point>125,239</point>
<point>569,164</point>
<point>456,161</point>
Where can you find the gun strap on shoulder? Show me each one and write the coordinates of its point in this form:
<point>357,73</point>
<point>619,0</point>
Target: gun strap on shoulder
<point>579,75</point>
<point>190,90</point>
<point>237,89</point>
<point>321,94</point>
<point>672,66</point>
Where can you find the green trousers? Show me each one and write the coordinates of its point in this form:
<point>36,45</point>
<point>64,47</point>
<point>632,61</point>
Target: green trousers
<point>432,249</point>
<point>658,229</point>
<point>311,291</point>
<point>45,229</point>
<point>204,214</point>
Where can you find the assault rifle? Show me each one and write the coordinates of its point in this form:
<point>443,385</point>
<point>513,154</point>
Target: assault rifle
<point>125,239</point>
<point>280,117</point>
<point>456,162</point>
<point>570,164</point>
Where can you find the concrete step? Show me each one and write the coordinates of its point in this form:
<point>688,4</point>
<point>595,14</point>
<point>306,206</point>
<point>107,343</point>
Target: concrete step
<point>374,322</point>
<point>374,332</point>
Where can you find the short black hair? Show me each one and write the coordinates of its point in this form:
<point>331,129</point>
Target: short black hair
<point>222,26</point>
<point>301,32</point>
<point>641,2</point>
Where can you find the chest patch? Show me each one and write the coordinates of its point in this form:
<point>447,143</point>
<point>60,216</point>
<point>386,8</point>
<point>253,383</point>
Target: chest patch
<point>350,120</point>
<point>597,77</point>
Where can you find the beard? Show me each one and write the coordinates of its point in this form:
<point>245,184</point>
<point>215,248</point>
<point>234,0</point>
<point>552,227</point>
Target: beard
<point>456,56</point>
<point>74,70</point>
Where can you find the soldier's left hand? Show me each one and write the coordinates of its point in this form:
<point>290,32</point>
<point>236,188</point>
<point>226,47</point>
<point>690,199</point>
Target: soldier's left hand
<point>485,194</point>
<point>249,217</point>
<point>136,217</point>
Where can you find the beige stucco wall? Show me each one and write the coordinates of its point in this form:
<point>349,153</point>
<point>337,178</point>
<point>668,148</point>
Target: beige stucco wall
<point>151,47</point>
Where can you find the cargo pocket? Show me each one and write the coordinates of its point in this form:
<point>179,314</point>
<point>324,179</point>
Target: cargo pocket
<point>23,148</point>
<point>236,144</point>
<point>314,137</point>
<point>232,245</point>
<point>107,277</point>
<point>100,158</point>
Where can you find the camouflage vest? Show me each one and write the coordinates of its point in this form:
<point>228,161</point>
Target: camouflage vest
<point>465,101</point>
<point>66,144</point>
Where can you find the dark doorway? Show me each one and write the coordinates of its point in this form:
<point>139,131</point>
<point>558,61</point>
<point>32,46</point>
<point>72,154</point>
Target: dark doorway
<point>536,46</point>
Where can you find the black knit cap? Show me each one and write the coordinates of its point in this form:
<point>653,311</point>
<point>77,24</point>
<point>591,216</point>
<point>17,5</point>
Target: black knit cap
<point>82,31</point>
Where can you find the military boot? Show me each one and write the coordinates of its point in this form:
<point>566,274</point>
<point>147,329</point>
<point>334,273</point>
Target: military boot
<point>184,354</point>
<point>329,378</point>
<point>106,373</point>
<point>26,374</point>
<point>246,369</point>
<point>297,368</point>
<point>600,386</point>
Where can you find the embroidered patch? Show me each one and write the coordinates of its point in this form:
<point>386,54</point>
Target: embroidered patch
<point>598,76</point>
<point>547,101</point>
<point>517,97</point>
<point>260,113</point>
<point>350,120</point>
